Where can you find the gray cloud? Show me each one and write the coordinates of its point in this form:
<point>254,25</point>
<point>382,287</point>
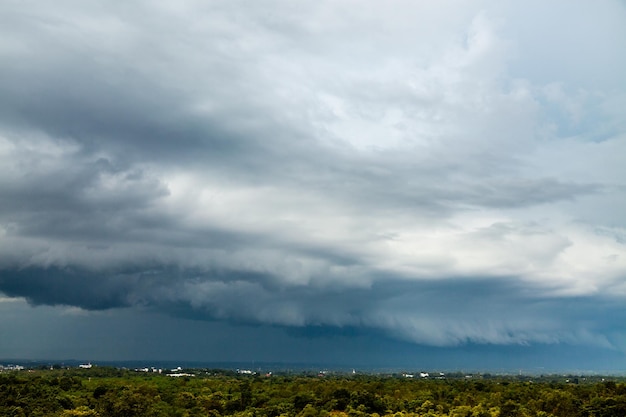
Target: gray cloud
<point>442,313</point>
<point>314,166</point>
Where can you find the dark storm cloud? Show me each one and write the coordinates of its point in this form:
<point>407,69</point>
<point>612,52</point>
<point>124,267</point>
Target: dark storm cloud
<point>457,311</point>
<point>54,286</point>
<point>299,169</point>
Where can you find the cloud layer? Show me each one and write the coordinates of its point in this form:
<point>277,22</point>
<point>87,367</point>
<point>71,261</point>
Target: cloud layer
<point>445,173</point>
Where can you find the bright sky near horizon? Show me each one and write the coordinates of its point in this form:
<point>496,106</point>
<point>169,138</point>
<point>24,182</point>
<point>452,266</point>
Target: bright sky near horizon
<point>437,175</point>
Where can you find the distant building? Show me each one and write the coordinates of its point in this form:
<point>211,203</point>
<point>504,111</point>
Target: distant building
<point>245,372</point>
<point>11,368</point>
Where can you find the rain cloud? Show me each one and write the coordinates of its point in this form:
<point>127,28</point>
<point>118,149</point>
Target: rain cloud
<point>442,174</point>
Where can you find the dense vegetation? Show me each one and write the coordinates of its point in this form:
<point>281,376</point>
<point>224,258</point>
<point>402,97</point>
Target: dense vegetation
<point>108,392</point>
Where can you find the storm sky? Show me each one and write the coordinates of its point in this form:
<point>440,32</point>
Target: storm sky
<point>379,182</point>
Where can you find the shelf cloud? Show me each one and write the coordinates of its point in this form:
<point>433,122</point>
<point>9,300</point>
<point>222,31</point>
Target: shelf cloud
<point>442,174</point>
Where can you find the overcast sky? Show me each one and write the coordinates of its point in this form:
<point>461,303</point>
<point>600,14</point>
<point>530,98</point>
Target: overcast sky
<point>332,181</point>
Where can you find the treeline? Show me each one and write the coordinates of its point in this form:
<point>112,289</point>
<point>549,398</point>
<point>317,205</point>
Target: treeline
<point>116,393</point>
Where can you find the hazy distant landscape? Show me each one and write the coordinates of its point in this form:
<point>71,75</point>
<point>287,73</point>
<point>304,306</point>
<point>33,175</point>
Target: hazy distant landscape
<point>304,368</point>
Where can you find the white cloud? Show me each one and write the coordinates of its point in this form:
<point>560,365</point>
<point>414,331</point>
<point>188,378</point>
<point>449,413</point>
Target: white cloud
<point>314,149</point>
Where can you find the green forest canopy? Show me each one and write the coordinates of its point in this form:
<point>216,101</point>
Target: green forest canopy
<point>112,392</point>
